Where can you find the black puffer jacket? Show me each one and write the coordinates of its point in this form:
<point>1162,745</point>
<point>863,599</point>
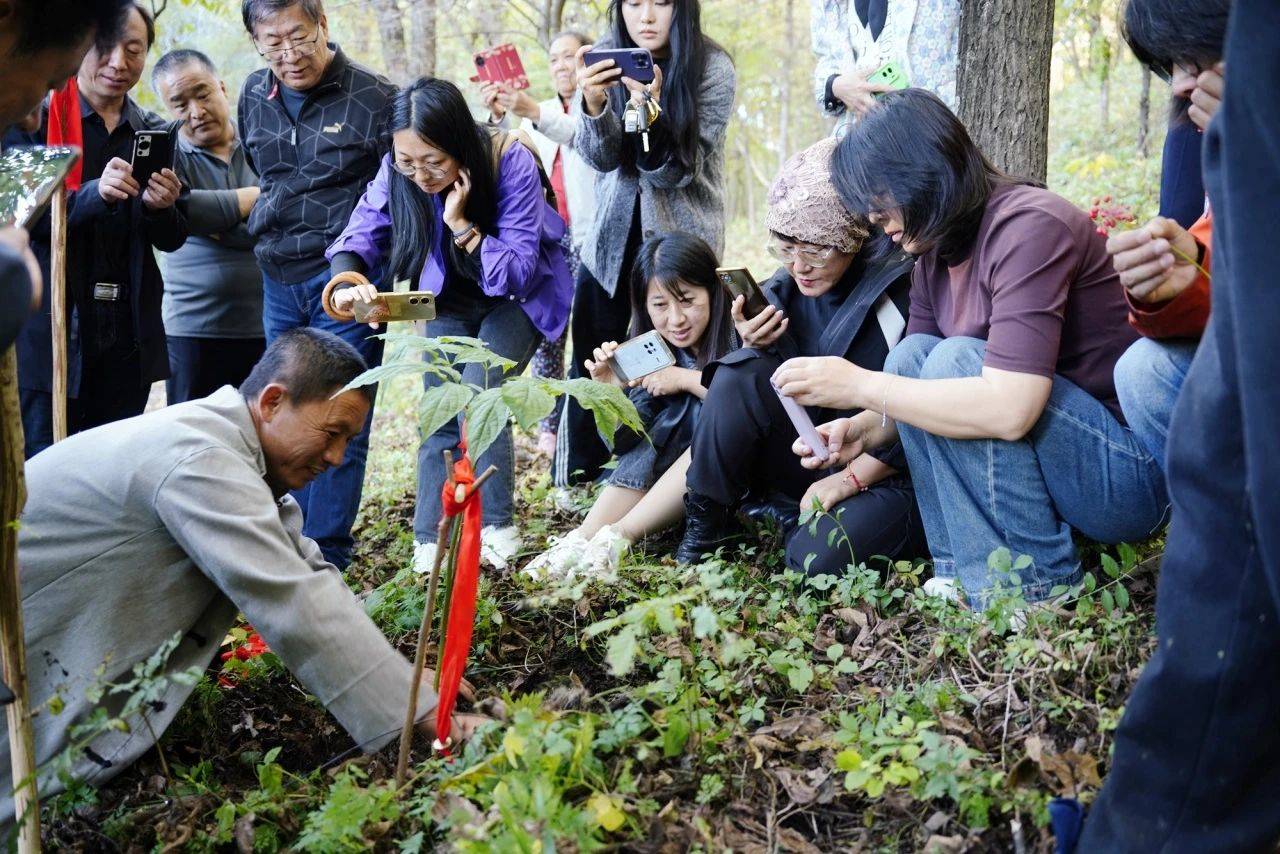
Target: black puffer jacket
<point>312,173</point>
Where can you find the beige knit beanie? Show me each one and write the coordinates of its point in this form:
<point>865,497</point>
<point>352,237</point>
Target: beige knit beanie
<point>803,204</point>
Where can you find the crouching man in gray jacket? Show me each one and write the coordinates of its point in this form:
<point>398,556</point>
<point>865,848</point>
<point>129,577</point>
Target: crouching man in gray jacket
<point>172,522</point>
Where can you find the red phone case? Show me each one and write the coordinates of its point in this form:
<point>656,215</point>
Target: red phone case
<point>501,64</point>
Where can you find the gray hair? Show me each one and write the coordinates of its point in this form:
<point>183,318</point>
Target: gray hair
<point>254,11</point>
<point>311,363</point>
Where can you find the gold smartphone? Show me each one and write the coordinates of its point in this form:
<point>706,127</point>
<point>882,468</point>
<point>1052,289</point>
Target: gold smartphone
<point>408,305</point>
<point>738,282</point>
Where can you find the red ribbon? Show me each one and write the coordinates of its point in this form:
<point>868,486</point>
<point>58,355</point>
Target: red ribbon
<point>65,128</point>
<point>462,600</point>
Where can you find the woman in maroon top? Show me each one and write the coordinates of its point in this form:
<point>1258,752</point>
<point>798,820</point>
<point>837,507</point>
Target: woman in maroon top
<point>1002,391</point>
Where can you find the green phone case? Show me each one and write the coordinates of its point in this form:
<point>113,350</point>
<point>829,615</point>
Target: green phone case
<point>890,74</point>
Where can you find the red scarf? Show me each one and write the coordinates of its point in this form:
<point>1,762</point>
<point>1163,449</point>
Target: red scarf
<point>65,128</point>
<point>461,614</point>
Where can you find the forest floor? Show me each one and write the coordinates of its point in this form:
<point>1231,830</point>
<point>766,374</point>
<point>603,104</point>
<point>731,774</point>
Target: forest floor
<point>731,707</point>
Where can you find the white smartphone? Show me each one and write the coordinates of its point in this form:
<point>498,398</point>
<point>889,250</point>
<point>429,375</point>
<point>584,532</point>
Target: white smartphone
<point>643,355</point>
<point>804,426</point>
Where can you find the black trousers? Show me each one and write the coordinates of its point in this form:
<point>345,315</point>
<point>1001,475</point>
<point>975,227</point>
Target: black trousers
<point>200,366</point>
<point>110,390</point>
<point>742,446</point>
<point>596,318</point>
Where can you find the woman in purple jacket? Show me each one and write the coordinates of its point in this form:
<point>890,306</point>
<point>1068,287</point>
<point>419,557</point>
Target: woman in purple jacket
<point>487,245</point>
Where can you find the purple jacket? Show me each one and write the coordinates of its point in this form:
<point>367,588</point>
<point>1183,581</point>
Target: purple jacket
<point>522,261</point>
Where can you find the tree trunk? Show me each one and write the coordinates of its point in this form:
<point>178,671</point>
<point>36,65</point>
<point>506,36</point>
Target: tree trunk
<point>1144,111</point>
<point>1005,48</point>
<point>422,38</point>
<point>784,122</point>
<point>391,29</point>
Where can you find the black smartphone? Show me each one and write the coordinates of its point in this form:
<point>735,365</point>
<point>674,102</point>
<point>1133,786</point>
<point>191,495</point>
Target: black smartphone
<point>738,282</point>
<point>635,62</point>
<point>153,151</point>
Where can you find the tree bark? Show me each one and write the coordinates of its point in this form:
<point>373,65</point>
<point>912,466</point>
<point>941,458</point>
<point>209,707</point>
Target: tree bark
<point>423,15</point>
<point>1144,112</point>
<point>1005,48</point>
<point>391,29</point>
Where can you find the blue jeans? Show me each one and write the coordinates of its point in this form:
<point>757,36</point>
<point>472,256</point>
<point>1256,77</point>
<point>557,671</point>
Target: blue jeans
<point>507,331</point>
<point>330,502</point>
<point>1148,378</point>
<point>1077,468</point>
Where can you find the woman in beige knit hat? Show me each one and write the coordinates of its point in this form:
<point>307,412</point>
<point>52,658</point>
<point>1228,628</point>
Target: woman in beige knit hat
<point>839,293</point>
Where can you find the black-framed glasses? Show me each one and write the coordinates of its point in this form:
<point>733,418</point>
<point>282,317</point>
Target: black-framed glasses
<point>300,50</point>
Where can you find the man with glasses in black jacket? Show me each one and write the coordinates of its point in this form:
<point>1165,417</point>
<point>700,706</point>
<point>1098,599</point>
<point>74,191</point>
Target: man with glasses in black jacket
<point>309,123</point>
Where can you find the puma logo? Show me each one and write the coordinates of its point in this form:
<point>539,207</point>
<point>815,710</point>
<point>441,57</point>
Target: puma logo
<point>334,128</point>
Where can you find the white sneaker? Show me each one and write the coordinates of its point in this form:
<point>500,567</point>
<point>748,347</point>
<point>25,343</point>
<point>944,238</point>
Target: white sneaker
<point>605,552</point>
<point>499,546</point>
<point>947,589</point>
<point>424,557</point>
<point>561,557</point>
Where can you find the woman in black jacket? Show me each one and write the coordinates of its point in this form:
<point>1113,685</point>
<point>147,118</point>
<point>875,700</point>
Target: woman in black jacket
<point>833,297</point>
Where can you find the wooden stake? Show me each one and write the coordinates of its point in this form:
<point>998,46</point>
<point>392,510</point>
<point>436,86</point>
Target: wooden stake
<point>58,311</point>
<point>12,650</point>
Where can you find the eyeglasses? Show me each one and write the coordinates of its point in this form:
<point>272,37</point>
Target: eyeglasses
<point>410,170</point>
<point>789,253</point>
<point>300,50</point>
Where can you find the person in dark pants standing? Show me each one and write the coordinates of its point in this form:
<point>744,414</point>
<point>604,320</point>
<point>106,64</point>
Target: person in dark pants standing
<point>310,125</point>
<point>116,347</point>
<point>212,287</point>
<point>1196,765</point>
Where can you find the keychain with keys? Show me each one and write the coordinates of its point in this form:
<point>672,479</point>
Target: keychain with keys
<point>638,119</point>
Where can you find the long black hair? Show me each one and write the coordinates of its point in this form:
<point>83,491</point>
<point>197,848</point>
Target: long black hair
<point>912,154</point>
<point>436,111</point>
<point>678,261</point>
<point>1164,33</point>
<point>681,79</point>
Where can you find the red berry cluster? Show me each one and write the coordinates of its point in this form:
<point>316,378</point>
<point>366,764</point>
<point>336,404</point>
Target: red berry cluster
<point>1107,214</point>
<point>252,647</point>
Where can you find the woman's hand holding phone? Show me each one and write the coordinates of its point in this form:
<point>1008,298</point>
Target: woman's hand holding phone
<point>344,298</point>
<point>637,89</point>
<point>760,331</point>
<point>672,380</point>
<point>846,441</point>
<point>594,81</point>
<point>598,364</point>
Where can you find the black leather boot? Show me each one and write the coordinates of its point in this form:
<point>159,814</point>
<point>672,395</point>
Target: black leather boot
<point>708,525</point>
<point>776,511</point>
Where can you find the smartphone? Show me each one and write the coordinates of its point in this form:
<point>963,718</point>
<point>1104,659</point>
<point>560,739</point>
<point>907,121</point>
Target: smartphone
<point>409,305</point>
<point>28,178</point>
<point>643,355</point>
<point>153,151</point>
<point>635,62</point>
<point>501,64</point>
<point>804,426</point>
<point>890,74</point>
<point>738,282</point>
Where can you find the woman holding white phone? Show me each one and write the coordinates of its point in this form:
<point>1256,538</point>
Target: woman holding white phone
<point>674,292</point>
<point>834,296</point>
<point>670,179</point>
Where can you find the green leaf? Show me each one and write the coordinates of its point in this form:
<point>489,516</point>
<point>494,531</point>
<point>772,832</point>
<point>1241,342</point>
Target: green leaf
<point>1108,601</point>
<point>608,404</point>
<point>704,621</point>
<point>382,373</point>
<point>1122,597</point>
<point>528,401</point>
<point>487,415</point>
<point>621,653</point>
<point>441,404</point>
<point>848,760</point>
<point>1110,567</point>
<point>801,677</point>
<point>675,736</point>
<point>1022,563</point>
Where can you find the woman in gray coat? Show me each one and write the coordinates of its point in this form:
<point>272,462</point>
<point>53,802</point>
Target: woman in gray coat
<point>670,179</point>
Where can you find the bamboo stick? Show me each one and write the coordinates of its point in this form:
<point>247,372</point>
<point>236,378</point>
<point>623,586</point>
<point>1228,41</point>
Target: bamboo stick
<point>58,311</point>
<point>12,652</point>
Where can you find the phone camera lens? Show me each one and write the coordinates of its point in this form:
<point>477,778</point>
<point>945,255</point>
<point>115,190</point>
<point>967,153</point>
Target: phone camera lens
<point>480,61</point>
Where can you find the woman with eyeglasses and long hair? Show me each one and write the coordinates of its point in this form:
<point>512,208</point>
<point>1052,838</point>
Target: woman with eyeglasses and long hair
<point>1001,393</point>
<point>674,182</point>
<point>674,291</point>
<point>486,242</point>
<point>835,295</point>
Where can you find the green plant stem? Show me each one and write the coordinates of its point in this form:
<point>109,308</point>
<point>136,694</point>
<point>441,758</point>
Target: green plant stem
<point>1185,257</point>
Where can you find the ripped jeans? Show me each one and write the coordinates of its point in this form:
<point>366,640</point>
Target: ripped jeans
<point>1079,467</point>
